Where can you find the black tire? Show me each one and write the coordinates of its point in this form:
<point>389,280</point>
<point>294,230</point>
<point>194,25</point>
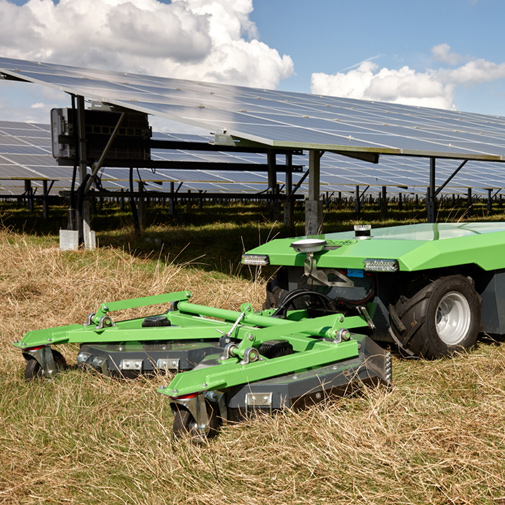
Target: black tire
<point>185,424</point>
<point>441,318</point>
<point>33,369</point>
<point>275,348</point>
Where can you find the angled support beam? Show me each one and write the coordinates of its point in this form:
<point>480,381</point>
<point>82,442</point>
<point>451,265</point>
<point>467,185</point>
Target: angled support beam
<point>450,178</point>
<point>99,164</point>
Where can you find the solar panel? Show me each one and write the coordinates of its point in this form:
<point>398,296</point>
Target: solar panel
<point>19,160</point>
<point>282,119</point>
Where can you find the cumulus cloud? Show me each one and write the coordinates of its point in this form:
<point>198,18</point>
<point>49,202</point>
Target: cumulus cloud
<point>210,40</point>
<point>442,53</point>
<point>404,86</point>
<point>429,88</point>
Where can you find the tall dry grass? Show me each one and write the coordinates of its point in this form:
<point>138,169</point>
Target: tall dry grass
<point>438,436</point>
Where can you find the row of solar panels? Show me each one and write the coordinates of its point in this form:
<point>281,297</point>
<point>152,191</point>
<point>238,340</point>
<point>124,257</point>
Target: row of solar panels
<point>281,119</point>
<point>25,154</point>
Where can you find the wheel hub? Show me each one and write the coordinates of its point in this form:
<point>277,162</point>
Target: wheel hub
<point>453,318</point>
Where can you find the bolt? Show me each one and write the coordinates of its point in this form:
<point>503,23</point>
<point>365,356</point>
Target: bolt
<point>175,391</point>
<point>204,385</point>
<point>250,337</point>
<point>105,308</point>
<point>188,294</point>
<point>49,340</point>
<point>341,319</point>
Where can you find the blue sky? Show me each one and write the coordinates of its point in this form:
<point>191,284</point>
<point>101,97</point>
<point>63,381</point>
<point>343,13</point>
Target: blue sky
<point>436,53</point>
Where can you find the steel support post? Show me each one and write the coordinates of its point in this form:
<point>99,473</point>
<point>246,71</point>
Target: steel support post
<point>357,203</point>
<point>430,197</point>
<point>469,202</point>
<point>272,185</point>
<point>29,195</point>
<point>45,203</point>
<point>489,200</point>
<point>83,211</point>
<point>384,202</point>
<point>171,203</point>
<point>313,205</point>
<point>289,202</point>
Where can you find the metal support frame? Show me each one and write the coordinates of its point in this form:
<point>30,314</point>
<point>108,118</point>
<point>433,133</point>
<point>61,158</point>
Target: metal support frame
<point>45,203</point>
<point>383,202</point>
<point>272,184</point>
<point>83,208</point>
<point>313,205</point>
<point>433,192</point>
<point>357,202</point>
<point>29,195</point>
<point>430,195</point>
<point>95,167</point>
<point>289,202</point>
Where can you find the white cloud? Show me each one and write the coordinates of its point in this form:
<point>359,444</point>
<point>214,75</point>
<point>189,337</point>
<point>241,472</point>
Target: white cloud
<point>429,88</point>
<point>475,72</point>
<point>405,86</point>
<point>442,53</point>
<point>210,40</point>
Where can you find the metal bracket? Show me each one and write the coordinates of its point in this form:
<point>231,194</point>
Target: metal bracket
<point>168,364</point>
<point>44,355</point>
<point>105,322</point>
<point>320,276</point>
<point>229,351</point>
<point>220,398</point>
<point>89,319</point>
<point>198,409</point>
<point>251,355</point>
<point>258,400</point>
<point>366,315</point>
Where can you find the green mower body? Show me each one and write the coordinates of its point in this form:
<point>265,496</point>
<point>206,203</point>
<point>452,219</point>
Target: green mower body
<point>428,288</point>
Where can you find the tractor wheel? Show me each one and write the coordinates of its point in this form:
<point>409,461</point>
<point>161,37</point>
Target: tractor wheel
<point>441,318</point>
<point>185,424</point>
<point>34,370</point>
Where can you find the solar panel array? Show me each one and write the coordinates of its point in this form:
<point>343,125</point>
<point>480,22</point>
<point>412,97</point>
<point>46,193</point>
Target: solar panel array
<point>282,119</point>
<point>25,153</point>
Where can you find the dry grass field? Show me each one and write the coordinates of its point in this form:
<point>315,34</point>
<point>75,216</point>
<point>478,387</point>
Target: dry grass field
<point>437,436</point>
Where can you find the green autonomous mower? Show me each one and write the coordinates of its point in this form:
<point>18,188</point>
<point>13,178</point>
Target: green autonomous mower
<point>427,289</point>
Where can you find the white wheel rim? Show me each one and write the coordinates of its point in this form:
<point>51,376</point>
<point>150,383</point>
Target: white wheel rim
<point>453,318</point>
